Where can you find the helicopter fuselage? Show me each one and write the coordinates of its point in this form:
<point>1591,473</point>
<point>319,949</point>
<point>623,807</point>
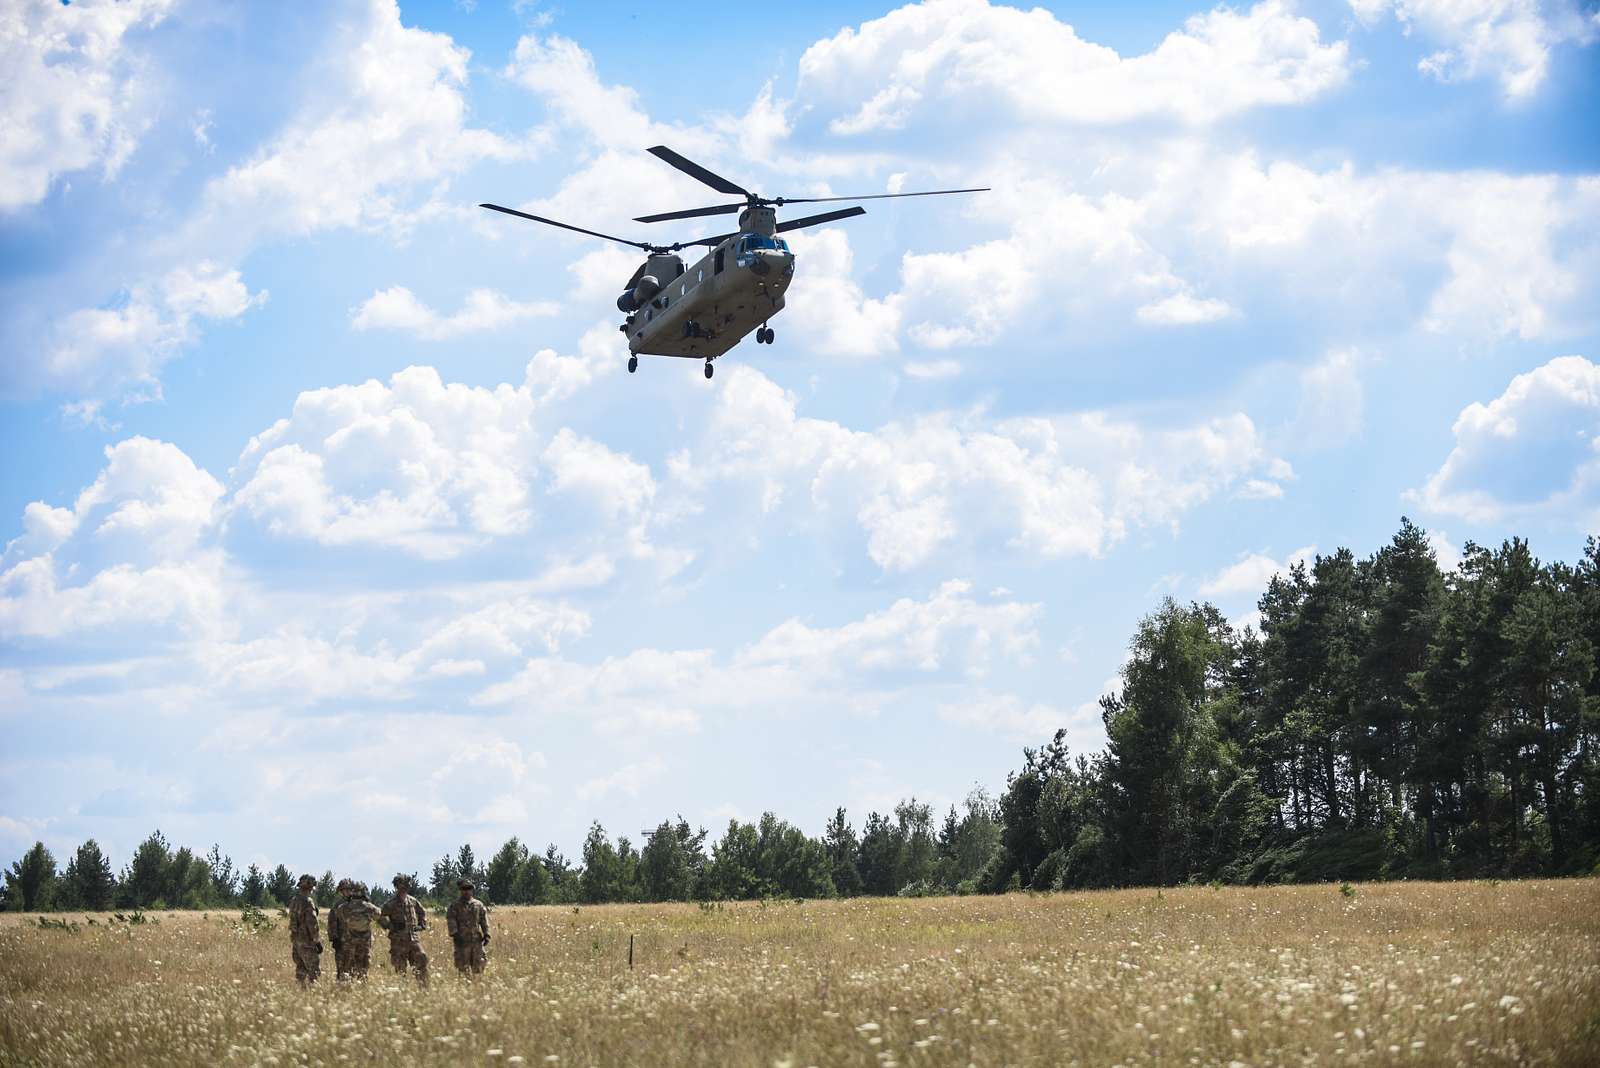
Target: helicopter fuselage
<point>711,305</point>
<point>702,311</point>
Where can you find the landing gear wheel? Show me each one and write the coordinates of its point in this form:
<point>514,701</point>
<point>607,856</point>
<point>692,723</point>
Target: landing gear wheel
<point>708,368</point>
<point>633,364</point>
<point>765,335</point>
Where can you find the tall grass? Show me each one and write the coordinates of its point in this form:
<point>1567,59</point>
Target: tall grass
<point>1398,973</point>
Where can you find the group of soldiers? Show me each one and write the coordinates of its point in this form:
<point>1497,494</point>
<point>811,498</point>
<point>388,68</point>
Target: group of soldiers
<point>350,931</point>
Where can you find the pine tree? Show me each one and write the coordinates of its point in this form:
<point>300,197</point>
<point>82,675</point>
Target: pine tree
<point>253,888</point>
<point>88,882</point>
<point>664,866</point>
<point>224,879</point>
<point>878,856</point>
<point>601,880</point>
<point>444,876</point>
<point>532,883</point>
<point>1154,731</point>
<point>467,865</point>
<point>1407,598</point>
<point>30,882</point>
<point>281,885</point>
<point>326,894</point>
<point>840,841</point>
<point>914,828</point>
<point>1549,665</point>
<point>144,881</point>
<point>500,877</point>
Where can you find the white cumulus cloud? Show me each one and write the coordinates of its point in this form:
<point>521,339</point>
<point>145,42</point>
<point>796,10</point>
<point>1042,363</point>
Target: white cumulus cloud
<point>1249,575</point>
<point>1508,40</point>
<point>1532,452</point>
<point>75,93</point>
<point>484,310</point>
<point>1053,486</point>
<point>944,54</point>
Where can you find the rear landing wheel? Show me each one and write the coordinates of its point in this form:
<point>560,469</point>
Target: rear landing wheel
<point>633,364</point>
<point>708,368</point>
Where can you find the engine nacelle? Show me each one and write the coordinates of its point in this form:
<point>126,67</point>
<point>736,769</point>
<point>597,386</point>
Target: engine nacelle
<point>639,295</point>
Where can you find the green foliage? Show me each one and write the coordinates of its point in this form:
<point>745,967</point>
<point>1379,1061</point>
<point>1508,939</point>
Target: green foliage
<point>605,869</point>
<point>842,847</point>
<point>145,879</point>
<point>187,882</point>
<point>500,877</point>
<point>224,879</point>
<point>253,921</point>
<point>280,885</point>
<point>253,888</point>
<point>31,881</point>
<point>1389,720</point>
<point>967,841</point>
<point>88,882</point>
<point>672,862</point>
<point>326,893</point>
<point>442,879</point>
<point>768,859</point>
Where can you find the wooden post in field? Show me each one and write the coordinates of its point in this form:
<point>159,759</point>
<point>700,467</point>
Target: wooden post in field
<point>630,953</point>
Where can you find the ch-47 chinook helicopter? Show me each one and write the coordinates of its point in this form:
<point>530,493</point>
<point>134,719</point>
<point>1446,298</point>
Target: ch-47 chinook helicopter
<point>702,311</point>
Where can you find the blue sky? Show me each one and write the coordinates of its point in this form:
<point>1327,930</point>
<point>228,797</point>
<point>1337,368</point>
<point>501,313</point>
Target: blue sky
<point>336,532</point>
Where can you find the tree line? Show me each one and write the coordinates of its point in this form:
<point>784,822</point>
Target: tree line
<point>1388,719</point>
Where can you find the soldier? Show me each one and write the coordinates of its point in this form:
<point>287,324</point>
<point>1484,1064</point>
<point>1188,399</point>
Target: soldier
<point>336,930</point>
<point>354,915</point>
<point>403,917</point>
<point>305,934</point>
<point>468,923</point>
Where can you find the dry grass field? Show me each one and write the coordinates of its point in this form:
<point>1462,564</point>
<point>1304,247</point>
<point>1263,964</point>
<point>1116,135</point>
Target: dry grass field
<point>1396,974</point>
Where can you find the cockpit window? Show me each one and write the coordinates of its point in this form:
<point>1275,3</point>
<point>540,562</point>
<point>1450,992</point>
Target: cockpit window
<point>750,242</point>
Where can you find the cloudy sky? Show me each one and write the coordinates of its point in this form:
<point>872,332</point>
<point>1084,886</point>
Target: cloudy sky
<point>336,532</point>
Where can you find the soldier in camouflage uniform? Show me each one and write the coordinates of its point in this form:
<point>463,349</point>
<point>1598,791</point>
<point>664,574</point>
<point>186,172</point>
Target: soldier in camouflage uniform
<point>403,917</point>
<point>352,917</point>
<point>305,934</point>
<point>468,923</point>
<point>336,929</point>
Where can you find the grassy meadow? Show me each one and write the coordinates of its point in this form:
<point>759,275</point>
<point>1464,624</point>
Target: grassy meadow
<point>1415,974</point>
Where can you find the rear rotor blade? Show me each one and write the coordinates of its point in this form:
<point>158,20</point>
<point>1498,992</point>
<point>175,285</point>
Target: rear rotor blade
<point>817,220</point>
<point>877,196</point>
<point>697,172</point>
<point>691,213</point>
<point>569,226</point>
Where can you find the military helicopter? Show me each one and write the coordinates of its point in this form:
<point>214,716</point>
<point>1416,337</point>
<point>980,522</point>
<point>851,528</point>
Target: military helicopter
<point>701,312</point>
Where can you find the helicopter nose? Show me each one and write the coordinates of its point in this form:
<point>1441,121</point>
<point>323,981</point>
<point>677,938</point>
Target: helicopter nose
<point>770,261</point>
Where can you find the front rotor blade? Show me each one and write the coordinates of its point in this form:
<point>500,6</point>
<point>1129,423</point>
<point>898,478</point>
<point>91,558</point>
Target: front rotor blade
<point>878,196</point>
<point>568,226</point>
<point>691,213</point>
<point>719,239</point>
<point>697,172</point>
<point>817,220</point>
